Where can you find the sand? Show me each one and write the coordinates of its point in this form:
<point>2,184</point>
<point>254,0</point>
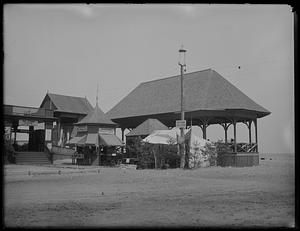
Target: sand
<point>257,196</point>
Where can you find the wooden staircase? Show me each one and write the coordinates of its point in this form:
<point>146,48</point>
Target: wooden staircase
<point>32,158</point>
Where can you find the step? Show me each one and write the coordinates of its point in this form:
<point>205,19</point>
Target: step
<point>32,158</point>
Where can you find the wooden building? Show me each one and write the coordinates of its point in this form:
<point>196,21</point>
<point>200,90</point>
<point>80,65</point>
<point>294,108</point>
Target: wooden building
<point>68,110</point>
<point>208,99</point>
<point>95,139</point>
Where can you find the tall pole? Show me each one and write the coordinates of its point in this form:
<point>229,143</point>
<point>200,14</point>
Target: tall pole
<point>182,140</point>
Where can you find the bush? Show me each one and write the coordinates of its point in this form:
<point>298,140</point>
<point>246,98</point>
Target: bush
<point>9,152</point>
<point>154,155</point>
<point>210,151</point>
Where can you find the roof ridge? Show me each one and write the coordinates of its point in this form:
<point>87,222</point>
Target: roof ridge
<point>175,76</point>
<point>67,95</point>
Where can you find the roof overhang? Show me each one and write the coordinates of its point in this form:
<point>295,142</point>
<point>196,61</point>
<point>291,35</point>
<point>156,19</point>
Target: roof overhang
<point>193,117</point>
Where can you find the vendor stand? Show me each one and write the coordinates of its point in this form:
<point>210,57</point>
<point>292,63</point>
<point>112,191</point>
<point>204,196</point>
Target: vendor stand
<point>95,140</point>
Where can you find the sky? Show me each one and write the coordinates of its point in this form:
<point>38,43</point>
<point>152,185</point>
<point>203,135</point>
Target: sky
<point>70,48</point>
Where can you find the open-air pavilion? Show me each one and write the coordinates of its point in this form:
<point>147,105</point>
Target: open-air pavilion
<point>208,99</point>
<point>146,128</point>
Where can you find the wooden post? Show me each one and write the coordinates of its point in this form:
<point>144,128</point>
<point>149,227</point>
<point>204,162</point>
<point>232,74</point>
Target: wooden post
<point>122,129</point>
<point>10,129</point>
<point>225,126</point>
<point>15,137</point>
<point>58,131</point>
<point>248,124</point>
<point>204,131</point>
<point>249,127</point>
<point>234,132</point>
<point>255,125</point>
<point>204,126</point>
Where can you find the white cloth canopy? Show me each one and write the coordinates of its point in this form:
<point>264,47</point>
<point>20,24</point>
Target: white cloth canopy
<point>164,136</point>
<point>170,136</point>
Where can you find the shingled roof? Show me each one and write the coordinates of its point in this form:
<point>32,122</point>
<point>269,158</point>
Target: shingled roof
<point>147,127</point>
<point>70,104</point>
<point>203,90</point>
<point>96,116</point>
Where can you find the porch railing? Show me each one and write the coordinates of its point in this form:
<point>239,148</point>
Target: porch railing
<point>11,110</point>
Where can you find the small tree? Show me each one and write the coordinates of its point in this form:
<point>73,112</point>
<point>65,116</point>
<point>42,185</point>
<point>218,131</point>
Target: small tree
<point>210,152</point>
<point>9,152</point>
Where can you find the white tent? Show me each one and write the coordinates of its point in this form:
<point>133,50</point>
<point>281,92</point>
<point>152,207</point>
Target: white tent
<point>164,136</point>
<point>196,143</point>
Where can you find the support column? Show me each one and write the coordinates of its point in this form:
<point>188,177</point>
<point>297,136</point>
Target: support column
<point>10,130</point>
<point>15,125</point>
<point>226,134</point>
<point>248,124</point>
<point>58,131</point>
<point>122,129</point>
<point>249,127</point>
<point>204,131</point>
<point>31,142</point>
<point>15,136</point>
<point>256,140</point>
<point>204,126</point>
<point>234,132</point>
<point>225,126</point>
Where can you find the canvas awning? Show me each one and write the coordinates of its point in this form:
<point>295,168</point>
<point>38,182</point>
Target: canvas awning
<point>92,139</point>
<point>110,140</point>
<point>77,140</point>
<point>164,136</point>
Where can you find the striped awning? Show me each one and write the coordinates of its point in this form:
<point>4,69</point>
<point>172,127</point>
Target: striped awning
<point>77,140</point>
<point>110,140</point>
<point>92,139</point>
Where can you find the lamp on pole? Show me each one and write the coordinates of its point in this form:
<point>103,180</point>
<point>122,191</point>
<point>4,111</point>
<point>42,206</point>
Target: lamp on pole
<point>182,65</point>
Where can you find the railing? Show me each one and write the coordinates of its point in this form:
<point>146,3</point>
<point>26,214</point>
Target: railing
<point>252,148</point>
<point>241,147</point>
<point>11,110</point>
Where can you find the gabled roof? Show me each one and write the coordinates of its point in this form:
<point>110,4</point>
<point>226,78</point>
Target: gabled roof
<point>147,127</point>
<point>96,116</point>
<point>203,90</point>
<point>70,104</point>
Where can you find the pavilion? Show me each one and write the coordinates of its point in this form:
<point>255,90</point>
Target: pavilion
<point>208,99</point>
<point>146,128</point>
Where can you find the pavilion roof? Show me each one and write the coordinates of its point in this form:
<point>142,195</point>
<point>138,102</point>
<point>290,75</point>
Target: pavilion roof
<point>147,127</point>
<point>203,90</point>
<point>96,116</point>
<point>69,104</point>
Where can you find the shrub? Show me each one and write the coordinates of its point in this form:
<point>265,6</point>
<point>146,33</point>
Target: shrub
<point>9,152</point>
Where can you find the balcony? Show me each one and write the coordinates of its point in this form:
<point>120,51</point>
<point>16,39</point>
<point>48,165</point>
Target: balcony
<point>28,112</point>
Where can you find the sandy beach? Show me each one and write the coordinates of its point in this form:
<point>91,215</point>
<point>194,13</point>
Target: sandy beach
<point>257,196</point>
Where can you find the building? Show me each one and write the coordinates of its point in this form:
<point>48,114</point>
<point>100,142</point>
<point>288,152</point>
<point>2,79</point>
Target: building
<point>68,110</point>
<point>95,140</point>
<point>146,128</point>
<point>208,99</point>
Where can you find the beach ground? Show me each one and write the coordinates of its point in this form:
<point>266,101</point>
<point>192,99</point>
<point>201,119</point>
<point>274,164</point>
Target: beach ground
<point>73,196</point>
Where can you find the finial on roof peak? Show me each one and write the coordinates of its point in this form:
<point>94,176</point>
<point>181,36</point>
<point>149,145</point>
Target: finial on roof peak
<point>97,96</point>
